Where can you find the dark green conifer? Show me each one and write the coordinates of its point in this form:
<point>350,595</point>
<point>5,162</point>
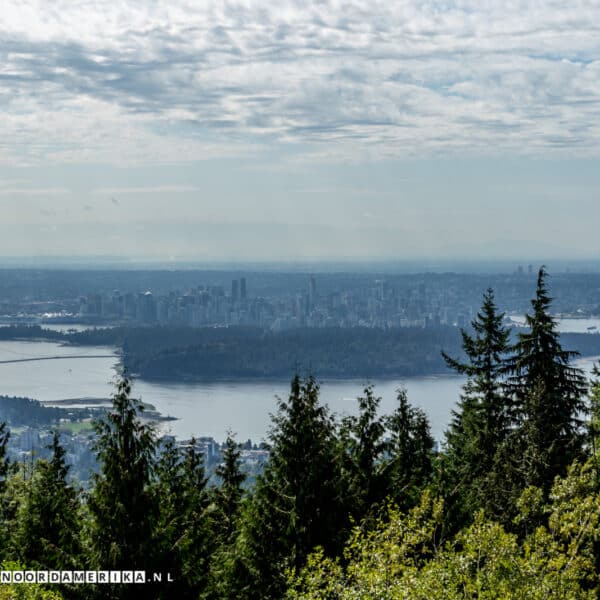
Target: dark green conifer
<point>229,494</point>
<point>49,526</point>
<point>409,450</point>
<point>549,395</point>
<point>122,507</point>
<point>483,419</point>
<point>296,503</point>
<point>362,446</point>
<point>183,537</point>
<point>5,512</point>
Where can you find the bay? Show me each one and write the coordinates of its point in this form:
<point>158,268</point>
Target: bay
<point>207,409</point>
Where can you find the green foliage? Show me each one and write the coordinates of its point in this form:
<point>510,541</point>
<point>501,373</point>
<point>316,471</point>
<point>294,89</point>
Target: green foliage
<point>362,446</point>
<point>296,503</point>
<point>402,559</point>
<point>228,495</point>
<point>183,535</point>
<point>19,591</point>
<point>47,537</point>
<point>482,421</point>
<point>5,503</point>
<point>548,394</point>
<point>409,453</point>
<point>122,508</point>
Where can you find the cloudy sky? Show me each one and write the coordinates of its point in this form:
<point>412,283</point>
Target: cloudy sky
<point>280,130</point>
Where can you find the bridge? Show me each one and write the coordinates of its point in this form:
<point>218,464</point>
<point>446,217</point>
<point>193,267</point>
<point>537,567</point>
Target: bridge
<point>22,360</point>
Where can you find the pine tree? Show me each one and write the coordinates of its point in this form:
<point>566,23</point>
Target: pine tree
<point>228,503</point>
<point>122,507</point>
<point>229,494</point>
<point>362,446</point>
<point>296,503</point>
<point>5,512</point>
<point>408,468</point>
<point>549,395</point>
<point>594,417</point>
<point>197,539</point>
<point>183,536</point>
<point>48,534</point>
<point>483,419</point>
<point>4,462</point>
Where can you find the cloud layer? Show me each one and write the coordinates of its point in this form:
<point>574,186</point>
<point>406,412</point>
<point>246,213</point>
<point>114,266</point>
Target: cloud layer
<point>132,81</point>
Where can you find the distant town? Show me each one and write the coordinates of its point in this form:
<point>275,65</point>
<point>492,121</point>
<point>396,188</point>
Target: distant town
<point>276,301</point>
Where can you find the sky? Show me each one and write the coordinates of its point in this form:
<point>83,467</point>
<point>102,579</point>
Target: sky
<point>247,130</point>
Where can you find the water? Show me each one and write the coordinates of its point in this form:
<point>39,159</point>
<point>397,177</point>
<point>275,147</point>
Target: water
<point>64,327</point>
<point>568,325</point>
<point>208,408</point>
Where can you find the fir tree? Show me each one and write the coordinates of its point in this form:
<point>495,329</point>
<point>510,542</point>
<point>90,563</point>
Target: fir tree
<point>48,533</point>
<point>5,512</point>
<point>296,502</point>
<point>122,507</point>
<point>549,395</point>
<point>229,494</point>
<point>228,503</point>
<point>197,540</point>
<point>362,446</point>
<point>4,462</point>
<point>483,419</point>
<point>410,452</point>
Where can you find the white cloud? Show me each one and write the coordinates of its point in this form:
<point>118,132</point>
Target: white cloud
<point>151,82</point>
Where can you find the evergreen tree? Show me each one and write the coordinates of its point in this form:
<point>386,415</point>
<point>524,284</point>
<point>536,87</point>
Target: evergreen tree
<point>5,467</point>
<point>196,541</point>
<point>228,503</point>
<point>296,502</point>
<point>168,489</point>
<point>48,532</point>
<point>483,419</point>
<point>122,507</point>
<point>183,535</point>
<point>594,418</point>
<point>362,446</point>
<point>549,395</point>
<point>229,494</point>
<point>408,468</point>
<point>4,462</point>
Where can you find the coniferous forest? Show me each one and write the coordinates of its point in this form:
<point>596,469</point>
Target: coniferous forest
<point>362,507</point>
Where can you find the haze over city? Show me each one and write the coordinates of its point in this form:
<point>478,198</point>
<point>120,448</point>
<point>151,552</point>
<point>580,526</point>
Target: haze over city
<point>261,131</point>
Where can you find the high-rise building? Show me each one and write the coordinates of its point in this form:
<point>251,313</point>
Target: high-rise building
<point>312,291</point>
<point>243,289</point>
<point>235,290</point>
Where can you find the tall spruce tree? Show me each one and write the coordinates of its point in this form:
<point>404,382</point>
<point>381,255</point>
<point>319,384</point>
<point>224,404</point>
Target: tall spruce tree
<point>296,503</point>
<point>183,536</point>
<point>122,507</point>
<point>5,512</point>
<point>4,462</point>
<point>228,495</point>
<point>408,465</point>
<point>197,539</point>
<point>594,416</point>
<point>228,501</point>
<point>483,418</point>
<point>549,395</point>
<point>362,446</point>
<point>48,525</point>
